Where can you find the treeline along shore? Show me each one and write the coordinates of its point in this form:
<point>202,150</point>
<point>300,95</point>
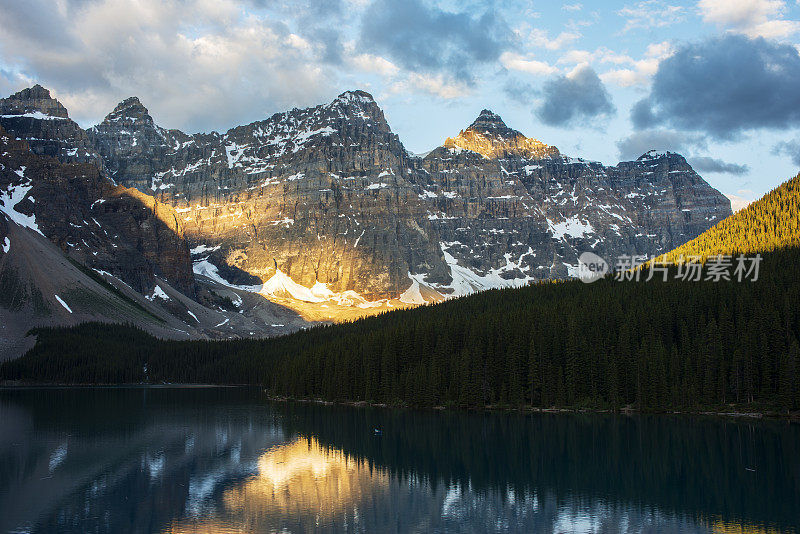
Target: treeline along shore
<point>651,346</point>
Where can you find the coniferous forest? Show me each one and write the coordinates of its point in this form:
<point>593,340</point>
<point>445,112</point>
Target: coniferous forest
<point>653,345</point>
<point>657,345</point>
<point>772,222</point>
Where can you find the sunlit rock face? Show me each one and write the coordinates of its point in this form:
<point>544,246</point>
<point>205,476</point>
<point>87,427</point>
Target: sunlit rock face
<point>324,194</point>
<point>329,195</point>
<point>491,138</point>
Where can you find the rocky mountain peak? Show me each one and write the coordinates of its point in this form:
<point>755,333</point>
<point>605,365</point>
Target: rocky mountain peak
<point>491,123</point>
<point>662,157</point>
<point>489,136</point>
<point>356,95</point>
<point>35,92</point>
<point>358,104</point>
<point>33,100</point>
<point>658,154</point>
<point>131,109</point>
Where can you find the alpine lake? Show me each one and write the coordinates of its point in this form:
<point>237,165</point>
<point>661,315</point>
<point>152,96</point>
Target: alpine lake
<point>218,459</point>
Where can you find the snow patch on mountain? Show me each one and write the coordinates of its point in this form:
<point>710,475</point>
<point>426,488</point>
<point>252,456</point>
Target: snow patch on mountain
<point>13,196</point>
<point>201,249</point>
<point>321,290</point>
<point>209,270</point>
<point>61,301</point>
<point>281,285</point>
<point>412,295</point>
<point>572,227</point>
<point>157,293</point>
<point>466,281</point>
<point>35,115</point>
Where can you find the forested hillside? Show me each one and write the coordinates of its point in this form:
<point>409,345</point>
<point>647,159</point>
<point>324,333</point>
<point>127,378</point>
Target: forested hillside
<point>770,223</point>
<point>655,345</point>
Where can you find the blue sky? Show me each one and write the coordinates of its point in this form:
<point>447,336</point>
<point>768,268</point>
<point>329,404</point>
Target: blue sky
<point>717,80</point>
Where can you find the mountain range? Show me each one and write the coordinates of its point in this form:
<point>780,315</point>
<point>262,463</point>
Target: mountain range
<point>321,210</point>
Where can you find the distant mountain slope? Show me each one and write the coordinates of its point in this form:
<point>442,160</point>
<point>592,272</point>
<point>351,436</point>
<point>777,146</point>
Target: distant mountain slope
<point>75,247</point>
<point>770,223</point>
<point>40,286</point>
<point>101,225</point>
<point>330,195</point>
<point>659,345</point>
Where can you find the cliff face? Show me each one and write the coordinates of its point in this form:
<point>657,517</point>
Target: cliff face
<point>323,194</point>
<point>329,194</point>
<point>103,226</point>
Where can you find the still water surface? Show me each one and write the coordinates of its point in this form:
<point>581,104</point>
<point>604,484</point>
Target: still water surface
<point>227,460</point>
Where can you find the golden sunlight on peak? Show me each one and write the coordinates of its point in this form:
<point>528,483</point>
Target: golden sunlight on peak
<point>491,146</point>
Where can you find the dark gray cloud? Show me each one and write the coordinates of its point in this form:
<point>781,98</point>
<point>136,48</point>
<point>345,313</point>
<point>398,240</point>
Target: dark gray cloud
<point>37,17</point>
<point>520,91</point>
<point>574,98</point>
<point>638,143</point>
<point>724,86</point>
<point>708,164</point>
<point>788,148</point>
<point>425,38</point>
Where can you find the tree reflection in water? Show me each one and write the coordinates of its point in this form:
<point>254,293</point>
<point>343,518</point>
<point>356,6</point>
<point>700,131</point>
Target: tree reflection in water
<point>226,460</point>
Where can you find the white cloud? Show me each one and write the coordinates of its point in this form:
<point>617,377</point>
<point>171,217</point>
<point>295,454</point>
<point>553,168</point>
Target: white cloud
<point>623,77</point>
<point>539,38</point>
<point>741,13</point>
<point>640,71</point>
<point>650,14</point>
<point>376,64</point>
<point>575,57</point>
<point>197,64</point>
<point>628,71</point>
<point>298,42</point>
<point>435,85</point>
<point>599,55</point>
<point>659,50</point>
<point>513,61</point>
<point>572,7</point>
<point>742,199</point>
<point>754,18</point>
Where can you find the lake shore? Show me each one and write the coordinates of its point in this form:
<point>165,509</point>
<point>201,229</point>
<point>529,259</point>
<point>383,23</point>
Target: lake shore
<point>628,410</point>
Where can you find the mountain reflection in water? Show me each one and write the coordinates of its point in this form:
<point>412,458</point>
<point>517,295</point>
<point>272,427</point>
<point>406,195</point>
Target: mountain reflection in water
<point>227,460</point>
